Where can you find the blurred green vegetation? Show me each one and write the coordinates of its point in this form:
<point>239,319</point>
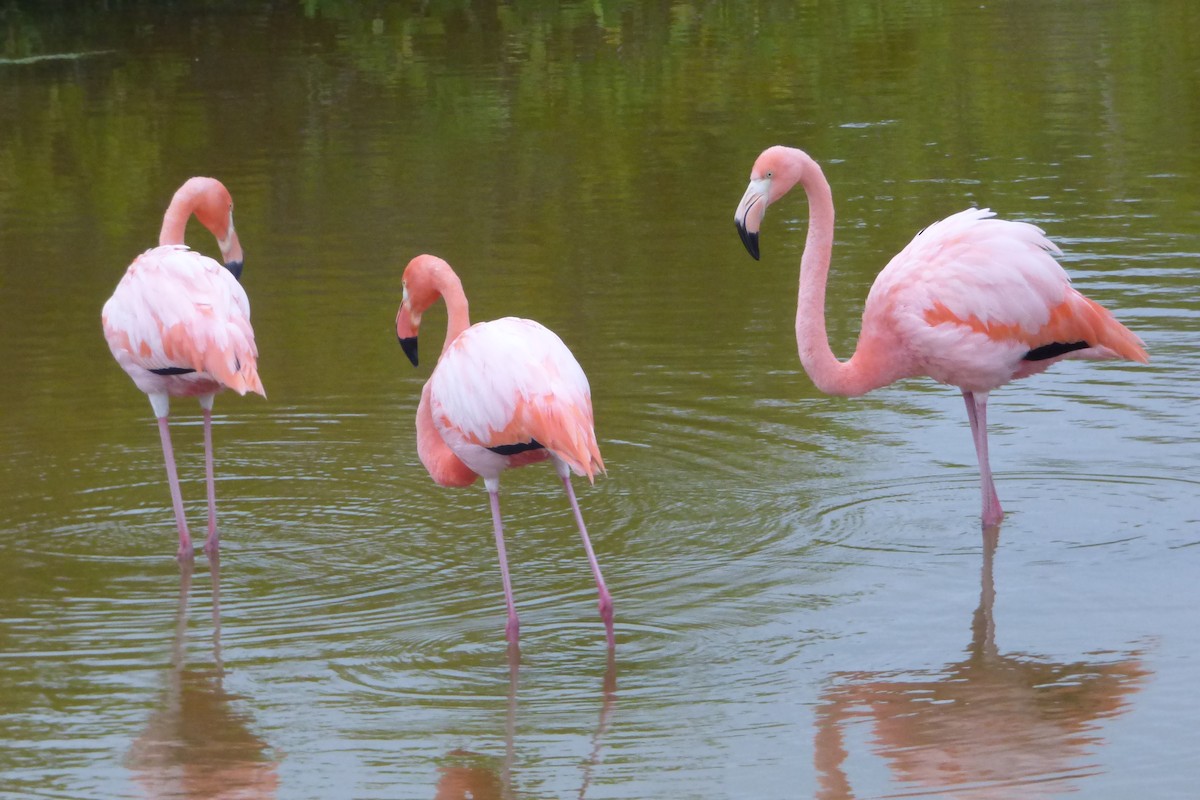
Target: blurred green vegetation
<point>553,150</point>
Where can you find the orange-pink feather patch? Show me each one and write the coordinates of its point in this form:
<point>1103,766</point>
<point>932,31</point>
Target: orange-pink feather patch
<point>563,429</point>
<point>1075,319</point>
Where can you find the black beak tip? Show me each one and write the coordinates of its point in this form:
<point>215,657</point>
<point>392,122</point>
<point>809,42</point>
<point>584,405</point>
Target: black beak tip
<point>236,268</point>
<point>410,348</point>
<point>750,240</point>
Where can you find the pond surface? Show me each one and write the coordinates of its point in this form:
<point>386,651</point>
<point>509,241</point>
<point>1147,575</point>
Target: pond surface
<point>805,605</point>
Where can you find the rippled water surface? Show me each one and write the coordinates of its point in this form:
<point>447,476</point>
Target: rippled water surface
<point>805,604</point>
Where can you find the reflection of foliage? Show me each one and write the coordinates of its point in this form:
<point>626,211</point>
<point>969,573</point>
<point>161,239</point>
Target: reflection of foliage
<point>20,38</point>
<point>536,132</point>
<point>622,79</point>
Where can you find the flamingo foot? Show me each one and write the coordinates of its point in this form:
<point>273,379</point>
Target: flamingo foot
<point>606,614</point>
<point>185,554</point>
<point>992,512</point>
<point>512,630</point>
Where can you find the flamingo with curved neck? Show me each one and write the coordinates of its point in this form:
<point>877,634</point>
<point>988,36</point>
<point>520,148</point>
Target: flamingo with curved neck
<point>211,203</point>
<point>504,394</point>
<point>972,301</point>
<point>178,323</point>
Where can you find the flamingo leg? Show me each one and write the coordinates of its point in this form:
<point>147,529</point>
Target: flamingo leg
<point>212,543</point>
<point>606,604</point>
<point>977,414</point>
<point>185,541</point>
<point>513,628</point>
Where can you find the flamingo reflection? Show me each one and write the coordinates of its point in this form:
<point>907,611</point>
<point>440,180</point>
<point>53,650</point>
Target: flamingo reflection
<point>197,745</point>
<point>983,726</point>
<point>472,776</point>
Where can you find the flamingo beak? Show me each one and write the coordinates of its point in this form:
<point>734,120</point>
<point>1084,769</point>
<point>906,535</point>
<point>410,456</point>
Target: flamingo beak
<point>750,212</point>
<point>408,323</point>
<point>410,348</point>
<point>231,250</point>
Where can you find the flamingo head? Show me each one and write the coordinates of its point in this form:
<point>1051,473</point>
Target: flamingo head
<point>212,204</point>
<point>422,281</point>
<point>775,172</point>
<point>408,324</point>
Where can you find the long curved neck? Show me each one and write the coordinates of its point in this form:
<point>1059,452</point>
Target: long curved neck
<point>442,464</point>
<point>831,376</point>
<point>458,315</point>
<point>175,220</point>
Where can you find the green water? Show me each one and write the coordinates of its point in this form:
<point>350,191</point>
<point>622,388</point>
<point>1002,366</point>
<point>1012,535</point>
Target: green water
<point>804,604</point>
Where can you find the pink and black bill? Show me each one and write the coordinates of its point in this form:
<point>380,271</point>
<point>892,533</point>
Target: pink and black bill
<point>749,238</point>
<point>409,344</point>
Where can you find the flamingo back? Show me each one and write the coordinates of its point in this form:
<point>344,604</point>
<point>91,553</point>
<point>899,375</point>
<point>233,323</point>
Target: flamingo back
<point>976,302</point>
<point>178,310</point>
<point>513,381</point>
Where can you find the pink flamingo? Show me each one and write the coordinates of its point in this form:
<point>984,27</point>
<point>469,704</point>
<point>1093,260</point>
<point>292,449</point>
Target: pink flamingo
<point>971,301</point>
<point>505,393</point>
<point>179,325</point>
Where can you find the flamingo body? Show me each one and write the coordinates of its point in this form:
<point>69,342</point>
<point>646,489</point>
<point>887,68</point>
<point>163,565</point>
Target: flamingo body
<point>508,383</point>
<point>505,394</point>
<point>178,323</point>
<point>972,301</point>
<point>971,297</point>
<point>176,309</point>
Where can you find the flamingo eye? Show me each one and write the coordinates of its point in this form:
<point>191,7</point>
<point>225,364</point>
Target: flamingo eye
<point>770,173</point>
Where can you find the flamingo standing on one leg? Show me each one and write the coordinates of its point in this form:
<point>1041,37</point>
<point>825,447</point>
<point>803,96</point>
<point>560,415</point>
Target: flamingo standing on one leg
<point>179,325</point>
<point>505,393</point>
<point>971,301</point>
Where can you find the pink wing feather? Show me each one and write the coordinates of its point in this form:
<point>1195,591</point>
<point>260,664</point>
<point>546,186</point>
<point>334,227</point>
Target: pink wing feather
<point>177,308</point>
<point>512,380</point>
<point>970,296</point>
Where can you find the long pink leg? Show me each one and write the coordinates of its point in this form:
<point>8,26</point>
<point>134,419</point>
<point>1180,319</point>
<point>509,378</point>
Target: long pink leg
<point>512,630</point>
<point>212,543</point>
<point>185,542</point>
<point>977,414</point>
<point>606,604</point>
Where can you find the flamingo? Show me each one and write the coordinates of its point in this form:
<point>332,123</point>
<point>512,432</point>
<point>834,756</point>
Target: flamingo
<point>972,302</point>
<point>505,393</point>
<point>179,325</point>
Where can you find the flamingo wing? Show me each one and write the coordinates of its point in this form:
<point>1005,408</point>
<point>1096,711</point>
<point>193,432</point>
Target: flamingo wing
<point>511,384</point>
<point>176,311</point>
<point>977,301</point>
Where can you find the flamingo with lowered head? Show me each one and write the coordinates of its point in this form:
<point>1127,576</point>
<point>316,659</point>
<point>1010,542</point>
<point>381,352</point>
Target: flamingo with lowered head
<point>505,393</point>
<point>972,301</point>
<point>179,325</point>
